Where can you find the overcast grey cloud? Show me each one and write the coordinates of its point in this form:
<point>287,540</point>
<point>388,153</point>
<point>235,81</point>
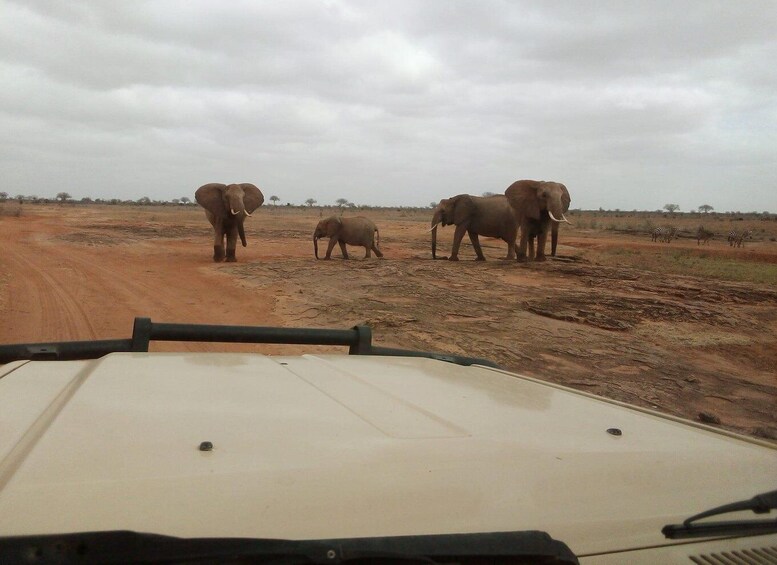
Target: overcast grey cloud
<point>632,105</point>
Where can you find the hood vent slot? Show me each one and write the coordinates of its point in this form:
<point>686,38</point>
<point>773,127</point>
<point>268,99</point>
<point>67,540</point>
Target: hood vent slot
<point>759,556</point>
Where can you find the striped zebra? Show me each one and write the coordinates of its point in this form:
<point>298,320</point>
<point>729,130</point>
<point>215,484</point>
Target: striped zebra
<point>703,235</point>
<point>665,234</point>
<point>737,238</point>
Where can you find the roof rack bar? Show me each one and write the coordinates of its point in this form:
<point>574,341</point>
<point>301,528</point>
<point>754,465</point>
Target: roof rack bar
<point>355,338</point>
<point>358,339</point>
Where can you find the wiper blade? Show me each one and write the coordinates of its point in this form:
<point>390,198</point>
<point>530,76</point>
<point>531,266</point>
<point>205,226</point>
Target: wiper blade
<point>119,547</point>
<point>759,504</point>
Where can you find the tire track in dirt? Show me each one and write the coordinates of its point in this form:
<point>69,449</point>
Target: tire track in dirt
<point>49,300</point>
<point>59,290</point>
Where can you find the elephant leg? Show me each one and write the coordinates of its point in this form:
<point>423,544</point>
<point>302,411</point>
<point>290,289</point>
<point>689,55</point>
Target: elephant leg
<point>368,253</point>
<point>457,237</point>
<point>541,240</point>
<point>332,242</point>
<point>218,252</point>
<point>521,254</point>
<point>473,237</point>
<point>510,248</point>
<point>531,247</point>
<point>218,242</point>
<point>231,244</point>
<point>343,249</point>
<point>554,239</point>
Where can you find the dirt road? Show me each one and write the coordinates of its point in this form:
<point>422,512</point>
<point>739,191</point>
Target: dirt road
<point>689,346</point>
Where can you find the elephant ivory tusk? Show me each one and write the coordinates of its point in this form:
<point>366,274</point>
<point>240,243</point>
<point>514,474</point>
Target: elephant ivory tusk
<point>247,214</point>
<point>563,217</point>
<point>434,226</point>
<point>552,217</point>
<point>233,212</point>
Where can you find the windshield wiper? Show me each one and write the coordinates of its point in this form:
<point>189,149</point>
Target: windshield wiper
<point>116,547</point>
<point>759,504</point>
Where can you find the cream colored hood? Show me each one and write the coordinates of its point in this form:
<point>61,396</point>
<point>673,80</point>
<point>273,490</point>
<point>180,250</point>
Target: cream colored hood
<point>348,446</point>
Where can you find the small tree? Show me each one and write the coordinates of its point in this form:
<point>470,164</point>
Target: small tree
<point>706,208</point>
<point>185,199</point>
<point>175,200</point>
<point>3,196</point>
<point>489,194</point>
<point>63,196</point>
<point>310,202</point>
<point>671,208</point>
<point>144,200</point>
<point>274,199</point>
<point>341,202</point>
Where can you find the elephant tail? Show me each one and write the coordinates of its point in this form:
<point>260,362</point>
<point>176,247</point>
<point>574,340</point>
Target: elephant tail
<point>377,237</point>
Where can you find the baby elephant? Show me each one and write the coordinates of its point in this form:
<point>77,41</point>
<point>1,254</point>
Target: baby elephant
<point>353,231</point>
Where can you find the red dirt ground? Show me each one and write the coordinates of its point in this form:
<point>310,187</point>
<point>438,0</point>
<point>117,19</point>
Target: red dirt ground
<point>689,346</point>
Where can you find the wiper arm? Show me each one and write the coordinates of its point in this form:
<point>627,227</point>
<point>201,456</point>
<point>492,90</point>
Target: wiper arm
<point>119,547</point>
<point>759,504</point>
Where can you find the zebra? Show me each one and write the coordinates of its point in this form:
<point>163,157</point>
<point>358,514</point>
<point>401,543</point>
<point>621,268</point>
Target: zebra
<point>665,234</point>
<point>737,238</point>
<point>703,235</point>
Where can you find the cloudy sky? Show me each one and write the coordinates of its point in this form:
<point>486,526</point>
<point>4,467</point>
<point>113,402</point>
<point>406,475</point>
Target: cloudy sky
<point>632,104</point>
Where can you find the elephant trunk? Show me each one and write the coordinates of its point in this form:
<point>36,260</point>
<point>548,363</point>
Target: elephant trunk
<point>436,219</point>
<point>315,245</point>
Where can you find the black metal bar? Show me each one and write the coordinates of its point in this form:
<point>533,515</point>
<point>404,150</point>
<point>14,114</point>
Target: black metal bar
<point>363,345</point>
<point>62,351</point>
<point>358,339</point>
<point>141,334</point>
<point>257,334</point>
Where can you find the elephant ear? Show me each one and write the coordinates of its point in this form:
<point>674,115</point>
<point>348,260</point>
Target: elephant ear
<point>522,195</point>
<point>209,196</point>
<point>565,198</point>
<point>463,209</point>
<point>252,197</point>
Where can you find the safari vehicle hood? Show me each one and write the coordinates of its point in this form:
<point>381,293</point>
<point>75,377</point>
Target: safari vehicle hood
<point>334,446</point>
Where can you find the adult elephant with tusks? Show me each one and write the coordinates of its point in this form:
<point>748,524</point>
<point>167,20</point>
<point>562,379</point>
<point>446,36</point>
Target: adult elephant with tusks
<point>226,207</point>
<point>539,206</point>
<point>489,216</point>
<point>358,230</point>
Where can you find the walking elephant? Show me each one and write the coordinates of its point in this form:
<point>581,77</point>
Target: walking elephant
<point>489,216</point>
<point>352,231</point>
<point>538,206</point>
<point>226,207</point>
